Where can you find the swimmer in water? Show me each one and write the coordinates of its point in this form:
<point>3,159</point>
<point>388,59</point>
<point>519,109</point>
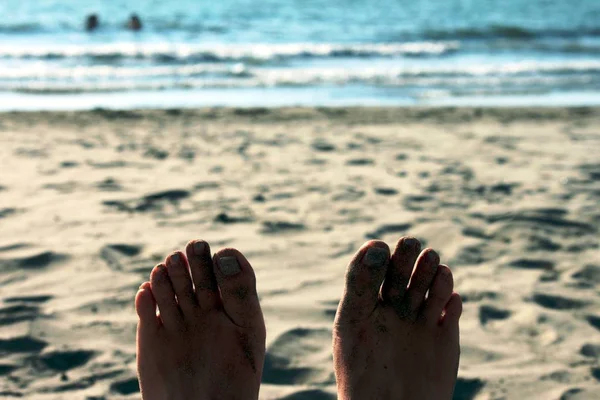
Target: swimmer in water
<point>92,22</point>
<point>134,23</point>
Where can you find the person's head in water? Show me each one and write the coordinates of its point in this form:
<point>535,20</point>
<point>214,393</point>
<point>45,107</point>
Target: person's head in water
<point>91,22</point>
<point>135,24</point>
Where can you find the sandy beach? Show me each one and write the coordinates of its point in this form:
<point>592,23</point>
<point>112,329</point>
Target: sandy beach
<point>91,201</point>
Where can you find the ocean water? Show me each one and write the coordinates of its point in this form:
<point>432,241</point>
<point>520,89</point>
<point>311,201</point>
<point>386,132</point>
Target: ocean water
<point>299,52</point>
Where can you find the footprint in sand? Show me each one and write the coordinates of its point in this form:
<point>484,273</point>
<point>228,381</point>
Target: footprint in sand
<point>6,369</point>
<point>279,227</point>
<point>580,394</point>
<point>387,229</point>
<point>125,387</point>
<point>33,262</point>
<point>150,202</point>
<point>594,321</point>
<point>322,146</point>
<point>18,313</point>
<point>489,313</point>
<point>475,296</point>
<point>475,254</point>
<point>6,212</point>
<point>590,350</point>
<point>467,389</point>
<point>299,356</point>
<point>384,191</point>
<point>550,220</point>
<point>537,242</point>
<point>116,256</point>
<point>526,263</point>
<point>21,309</point>
<point>21,344</point>
<point>556,302</point>
<point>314,394</point>
<point>355,162</point>
<point>14,246</point>
<point>109,184</point>
<point>419,202</point>
<point>596,373</point>
<point>69,164</point>
<point>225,218</point>
<point>62,361</point>
<point>28,299</point>
<point>589,274</point>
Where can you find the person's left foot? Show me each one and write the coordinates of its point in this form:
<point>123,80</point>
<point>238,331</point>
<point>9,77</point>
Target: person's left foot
<point>393,339</point>
<point>208,341</point>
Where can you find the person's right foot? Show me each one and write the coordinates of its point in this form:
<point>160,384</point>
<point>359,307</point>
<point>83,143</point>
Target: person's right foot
<point>390,341</point>
<point>209,340</point>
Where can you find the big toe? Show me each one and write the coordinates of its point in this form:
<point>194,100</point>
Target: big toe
<point>364,277</point>
<point>237,284</point>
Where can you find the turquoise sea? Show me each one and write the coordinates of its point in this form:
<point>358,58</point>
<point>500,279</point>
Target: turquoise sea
<point>299,52</point>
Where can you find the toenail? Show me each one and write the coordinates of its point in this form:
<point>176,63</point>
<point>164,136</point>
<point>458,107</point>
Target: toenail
<point>410,243</point>
<point>432,257</point>
<point>159,274</point>
<point>375,257</point>
<point>229,266</point>
<point>175,259</point>
<point>198,248</point>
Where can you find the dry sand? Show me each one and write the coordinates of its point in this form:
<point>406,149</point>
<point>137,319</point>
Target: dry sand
<point>89,202</point>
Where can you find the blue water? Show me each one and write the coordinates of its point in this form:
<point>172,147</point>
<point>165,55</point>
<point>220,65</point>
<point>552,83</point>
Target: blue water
<point>285,52</point>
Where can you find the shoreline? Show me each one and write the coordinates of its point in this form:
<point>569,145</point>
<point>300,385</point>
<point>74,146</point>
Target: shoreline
<point>355,115</point>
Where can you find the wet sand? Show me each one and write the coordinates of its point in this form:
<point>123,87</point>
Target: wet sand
<point>90,201</point>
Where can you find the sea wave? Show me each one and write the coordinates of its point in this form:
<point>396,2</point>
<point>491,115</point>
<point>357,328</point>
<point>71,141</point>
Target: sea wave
<point>21,27</point>
<point>489,84</point>
<point>113,79</point>
<point>104,72</point>
<point>170,25</point>
<point>563,46</point>
<point>165,52</point>
<point>69,26</point>
<point>262,53</point>
<point>508,32</point>
<point>360,71</point>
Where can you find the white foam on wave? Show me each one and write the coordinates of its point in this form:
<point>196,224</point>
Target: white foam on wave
<point>38,78</point>
<point>225,52</point>
<point>338,73</point>
<point>397,75</point>
<point>43,71</point>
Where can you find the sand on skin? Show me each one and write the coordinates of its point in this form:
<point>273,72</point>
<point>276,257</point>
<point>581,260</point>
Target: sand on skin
<point>90,201</point>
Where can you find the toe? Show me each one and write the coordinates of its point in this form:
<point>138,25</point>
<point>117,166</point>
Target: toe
<point>163,292</point>
<point>201,267</point>
<point>398,274</point>
<point>237,284</point>
<point>439,294</point>
<point>452,311</point>
<point>420,282</point>
<point>145,306</point>
<point>364,276</point>
<point>182,283</point>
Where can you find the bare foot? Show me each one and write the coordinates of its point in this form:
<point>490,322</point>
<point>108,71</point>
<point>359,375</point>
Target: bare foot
<point>389,341</point>
<point>209,340</point>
